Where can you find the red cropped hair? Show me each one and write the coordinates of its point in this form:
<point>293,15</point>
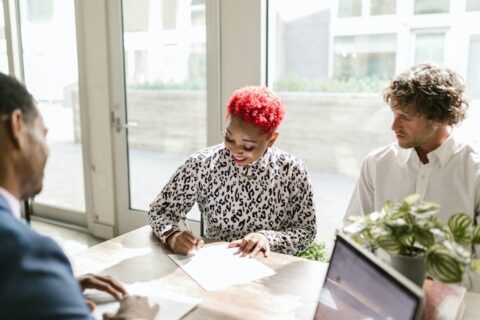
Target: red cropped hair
<point>258,106</point>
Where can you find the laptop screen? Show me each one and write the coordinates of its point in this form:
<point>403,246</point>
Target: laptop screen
<point>359,286</point>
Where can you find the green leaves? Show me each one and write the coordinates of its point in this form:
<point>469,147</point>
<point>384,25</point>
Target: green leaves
<point>424,237</point>
<point>390,245</point>
<point>460,226</point>
<point>411,200</point>
<point>443,266</point>
<point>315,252</point>
<point>476,235</point>
<point>410,228</point>
<point>402,227</point>
<point>459,222</point>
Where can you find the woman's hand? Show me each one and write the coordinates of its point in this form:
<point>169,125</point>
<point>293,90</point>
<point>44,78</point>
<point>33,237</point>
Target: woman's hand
<point>251,245</point>
<point>102,283</point>
<point>184,242</point>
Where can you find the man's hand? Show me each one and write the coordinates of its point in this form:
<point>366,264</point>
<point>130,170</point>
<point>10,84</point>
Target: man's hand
<point>134,307</point>
<point>102,283</point>
<point>184,242</point>
<point>251,245</point>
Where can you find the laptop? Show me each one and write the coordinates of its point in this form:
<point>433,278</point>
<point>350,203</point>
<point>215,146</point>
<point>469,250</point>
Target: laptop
<point>358,285</point>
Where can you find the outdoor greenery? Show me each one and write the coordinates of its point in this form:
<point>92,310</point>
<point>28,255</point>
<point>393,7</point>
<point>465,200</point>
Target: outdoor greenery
<point>316,251</point>
<point>293,84</point>
<point>411,228</point>
<point>158,85</point>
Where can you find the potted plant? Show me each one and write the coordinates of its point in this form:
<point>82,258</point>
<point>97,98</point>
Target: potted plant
<point>409,230</point>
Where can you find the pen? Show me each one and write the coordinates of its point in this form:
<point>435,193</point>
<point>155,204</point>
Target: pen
<point>185,224</point>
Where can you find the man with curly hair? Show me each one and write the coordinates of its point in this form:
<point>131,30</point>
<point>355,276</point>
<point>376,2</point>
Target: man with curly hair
<point>250,193</point>
<point>427,101</point>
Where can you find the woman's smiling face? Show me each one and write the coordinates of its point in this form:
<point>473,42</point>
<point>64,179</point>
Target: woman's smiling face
<point>246,142</point>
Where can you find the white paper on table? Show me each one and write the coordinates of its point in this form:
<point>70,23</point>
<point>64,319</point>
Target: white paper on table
<point>216,267</point>
<point>172,305</point>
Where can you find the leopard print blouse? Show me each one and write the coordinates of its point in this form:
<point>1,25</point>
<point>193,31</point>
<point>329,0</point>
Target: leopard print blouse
<point>272,196</point>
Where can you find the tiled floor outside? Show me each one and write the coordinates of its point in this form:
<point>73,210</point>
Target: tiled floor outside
<point>70,240</point>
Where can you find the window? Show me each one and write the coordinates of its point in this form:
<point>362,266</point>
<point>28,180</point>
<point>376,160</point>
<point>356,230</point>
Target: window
<point>198,13</point>
<point>330,73</point>
<point>473,73</point>
<point>165,73</point>
<point>431,6</point>
<point>138,17</point>
<point>473,5</point>
<point>469,127</point>
<point>3,43</point>
<point>379,7</point>
<point>429,46</point>
<point>349,8</point>
<point>51,75</point>
<point>329,83</point>
<point>318,85</point>
<point>370,58</point>
<point>39,11</point>
<point>169,14</point>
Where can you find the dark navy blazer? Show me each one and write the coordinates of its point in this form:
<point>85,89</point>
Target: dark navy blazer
<point>36,278</point>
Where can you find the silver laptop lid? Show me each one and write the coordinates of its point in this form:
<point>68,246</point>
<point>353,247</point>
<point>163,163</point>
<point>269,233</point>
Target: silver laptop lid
<point>358,285</point>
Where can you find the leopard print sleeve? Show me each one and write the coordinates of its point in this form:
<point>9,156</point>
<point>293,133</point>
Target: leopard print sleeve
<point>272,196</point>
<point>300,228</point>
<point>176,199</point>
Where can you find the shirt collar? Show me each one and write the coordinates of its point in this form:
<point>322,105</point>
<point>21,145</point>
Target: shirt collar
<point>443,153</point>
<point>448,148</point>
<point>254,166</point>
<point>263,159</point>
<point>12,202</point>
<point>404,155</point>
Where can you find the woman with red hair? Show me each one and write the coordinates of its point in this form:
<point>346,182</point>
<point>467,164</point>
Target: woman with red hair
<point>250,193</point>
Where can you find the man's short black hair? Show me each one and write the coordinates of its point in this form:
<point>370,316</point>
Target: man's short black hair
<point>14,95</point>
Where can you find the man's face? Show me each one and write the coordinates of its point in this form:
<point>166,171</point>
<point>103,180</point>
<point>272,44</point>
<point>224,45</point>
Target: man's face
<point>412,130</point>
<point>246,142</point>
<point>35,157</point>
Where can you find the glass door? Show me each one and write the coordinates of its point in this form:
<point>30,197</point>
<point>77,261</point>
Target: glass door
<point>3,43</point>
<point>49,55</point>
<point>160,116</point>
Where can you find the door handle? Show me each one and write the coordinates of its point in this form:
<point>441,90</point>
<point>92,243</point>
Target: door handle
<point>118,125</point>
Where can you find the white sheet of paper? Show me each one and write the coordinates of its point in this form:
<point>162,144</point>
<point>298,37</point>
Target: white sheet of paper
<point>172,305</point>
<point>217,267</point>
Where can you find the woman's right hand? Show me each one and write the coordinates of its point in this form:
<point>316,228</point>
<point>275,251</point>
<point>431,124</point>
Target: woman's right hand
<point>183,242</point>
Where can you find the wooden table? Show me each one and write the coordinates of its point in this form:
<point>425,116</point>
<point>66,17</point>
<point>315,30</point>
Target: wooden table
<point>472,306</point>
<point>138,256</point>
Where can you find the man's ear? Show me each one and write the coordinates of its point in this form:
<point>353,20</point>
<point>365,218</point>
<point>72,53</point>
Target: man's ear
<point>273,138</point>
<point>15,127</point>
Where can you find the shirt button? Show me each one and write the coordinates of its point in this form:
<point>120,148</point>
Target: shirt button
<point>423,176</point>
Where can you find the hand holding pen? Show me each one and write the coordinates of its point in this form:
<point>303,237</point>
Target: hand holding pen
<point>184,242</point>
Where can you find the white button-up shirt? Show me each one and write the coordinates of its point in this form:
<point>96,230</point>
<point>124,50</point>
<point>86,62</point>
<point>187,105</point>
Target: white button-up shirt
<point>451,178</point>
<point>12,202</point>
